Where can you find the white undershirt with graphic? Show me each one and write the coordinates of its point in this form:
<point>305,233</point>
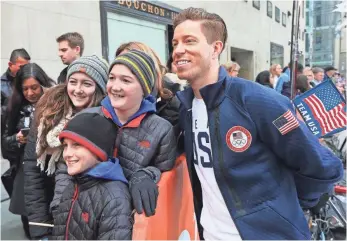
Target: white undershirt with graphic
<point>215,217</point>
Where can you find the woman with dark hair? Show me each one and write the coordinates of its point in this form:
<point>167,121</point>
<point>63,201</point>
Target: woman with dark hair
<point>30,82</point>
<point>265,78</point>
<point>302,84</point>
<point>45,171</point>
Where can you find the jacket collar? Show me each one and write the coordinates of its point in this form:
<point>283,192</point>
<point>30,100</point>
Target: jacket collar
<point>212,94</point>
<point>85,181</point>
<point>7,76</point>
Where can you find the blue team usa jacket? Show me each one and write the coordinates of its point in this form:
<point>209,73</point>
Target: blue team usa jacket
<point>266,169</point>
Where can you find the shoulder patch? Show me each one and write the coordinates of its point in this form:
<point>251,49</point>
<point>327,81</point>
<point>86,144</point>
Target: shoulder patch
<point>286,123</point>
<point>238,139</point>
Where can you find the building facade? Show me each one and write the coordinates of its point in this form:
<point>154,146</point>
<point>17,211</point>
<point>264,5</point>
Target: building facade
<point>259,31</point>
<point>321,23</point>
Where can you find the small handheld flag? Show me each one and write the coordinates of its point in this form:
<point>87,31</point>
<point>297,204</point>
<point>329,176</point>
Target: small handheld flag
<point>323,109</point>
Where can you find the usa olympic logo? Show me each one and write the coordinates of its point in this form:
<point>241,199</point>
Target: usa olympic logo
<point>238,139</point>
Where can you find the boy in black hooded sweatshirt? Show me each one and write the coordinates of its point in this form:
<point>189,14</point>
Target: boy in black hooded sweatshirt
<point>98,204</point>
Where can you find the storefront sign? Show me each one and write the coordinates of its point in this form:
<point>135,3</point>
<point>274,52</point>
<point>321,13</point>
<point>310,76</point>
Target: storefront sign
<point>147,7</point>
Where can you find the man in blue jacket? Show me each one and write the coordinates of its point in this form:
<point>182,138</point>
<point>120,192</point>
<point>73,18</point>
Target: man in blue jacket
<point>252,164</point>
<point>329,73</point>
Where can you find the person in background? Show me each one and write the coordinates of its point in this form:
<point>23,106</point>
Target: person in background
<point>70,48</point>
<point>253,166</point>
<point>28,89</point>
<point>233,68</point>
<point>302,84</point>
<point>276,71</point>
<point>45,172</point>
<point>339,83</point>
<point>318,74</point>
<point>283,79</point>
<point>286,89</point>
<point>309,74</point>
<point>102,206</point>
<point>265,78</point>
<point>329,73</point>
<point>18,58</point>
<point>286,70</point>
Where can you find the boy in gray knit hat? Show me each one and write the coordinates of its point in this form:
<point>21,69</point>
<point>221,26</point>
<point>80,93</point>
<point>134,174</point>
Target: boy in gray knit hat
<point>94,67</point>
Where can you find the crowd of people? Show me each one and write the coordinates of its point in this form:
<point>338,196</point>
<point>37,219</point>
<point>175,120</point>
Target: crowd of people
<point>306,78</point>
<point>88,149</point>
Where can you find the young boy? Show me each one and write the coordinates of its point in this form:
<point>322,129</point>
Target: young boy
<point>98,204</point>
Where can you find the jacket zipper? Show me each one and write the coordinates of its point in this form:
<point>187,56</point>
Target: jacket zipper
<point>233,195</point>
<point>117,142</point>
<point>74,198</point>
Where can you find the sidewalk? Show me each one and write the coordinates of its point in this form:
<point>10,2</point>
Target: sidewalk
<point>11,225</point>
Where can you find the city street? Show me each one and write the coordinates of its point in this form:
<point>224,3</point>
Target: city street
<point>11,225</point>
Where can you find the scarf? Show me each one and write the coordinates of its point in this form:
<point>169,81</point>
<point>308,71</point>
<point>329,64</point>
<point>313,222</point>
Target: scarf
<point>53,142</point>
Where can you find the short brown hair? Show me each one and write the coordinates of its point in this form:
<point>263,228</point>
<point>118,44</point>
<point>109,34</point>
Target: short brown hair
<point>213,26</point>
<point>74,39</point>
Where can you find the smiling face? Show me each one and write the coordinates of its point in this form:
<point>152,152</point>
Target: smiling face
<point>124,89</point>
<point>192,54</point>
<point>81,90</point>
<point>78,158</point>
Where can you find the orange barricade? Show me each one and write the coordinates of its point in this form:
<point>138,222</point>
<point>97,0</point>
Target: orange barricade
<point>174,218</point>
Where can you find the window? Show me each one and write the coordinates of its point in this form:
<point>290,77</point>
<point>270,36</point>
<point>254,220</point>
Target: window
<point>276,54</point>
<point>302,9</point>
<point>318,38</point>
<point>317,47</point>
<point>284,19</point>
<point>318,21</point>
<point>299,34</point>
<point>277,15</point>
<point>256,4</point>
<point>307,44</point>
<point>318,58</point>
<point>307,19</point>
<point>269,9</point>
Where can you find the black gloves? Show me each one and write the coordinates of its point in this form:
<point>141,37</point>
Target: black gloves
<point>321,204</point>
<point>144,192</point>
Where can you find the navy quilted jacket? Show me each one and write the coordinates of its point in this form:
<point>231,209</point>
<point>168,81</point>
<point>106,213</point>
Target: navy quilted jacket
<point>97,206</point>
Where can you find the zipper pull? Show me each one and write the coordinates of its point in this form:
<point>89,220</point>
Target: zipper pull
<point>75,193</point>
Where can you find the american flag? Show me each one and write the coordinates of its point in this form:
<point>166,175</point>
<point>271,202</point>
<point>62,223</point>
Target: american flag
<point>286,122</point>
<point>328,109</point>
<point>237,135</point>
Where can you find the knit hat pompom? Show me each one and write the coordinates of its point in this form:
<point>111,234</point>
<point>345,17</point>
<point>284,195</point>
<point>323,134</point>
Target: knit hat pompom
<point>142,66</point>
<point>81,129</point>
<point>94,67</point>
